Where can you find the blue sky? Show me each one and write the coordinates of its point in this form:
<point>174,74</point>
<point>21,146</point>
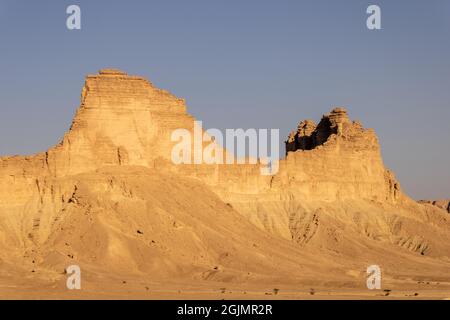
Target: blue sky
<point>249,64</point>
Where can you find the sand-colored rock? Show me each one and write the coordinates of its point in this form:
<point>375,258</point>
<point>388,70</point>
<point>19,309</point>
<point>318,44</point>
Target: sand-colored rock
<point>109,199</point>
<point>443,204</point>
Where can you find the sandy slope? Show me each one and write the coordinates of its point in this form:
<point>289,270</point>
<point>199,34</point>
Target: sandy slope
<point>163,234</point>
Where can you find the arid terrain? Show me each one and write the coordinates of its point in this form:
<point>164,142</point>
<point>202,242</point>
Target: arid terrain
<point>109,199</point>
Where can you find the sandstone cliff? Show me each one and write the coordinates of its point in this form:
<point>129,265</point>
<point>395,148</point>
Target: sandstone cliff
<point>109,199</point>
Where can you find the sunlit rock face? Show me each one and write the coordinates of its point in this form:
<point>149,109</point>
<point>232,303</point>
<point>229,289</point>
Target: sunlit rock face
<point>331,206</point>
<point>122,120</point>
<point>338,159</point>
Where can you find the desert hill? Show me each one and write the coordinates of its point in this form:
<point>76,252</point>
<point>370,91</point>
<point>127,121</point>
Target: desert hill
<point>109,199</point>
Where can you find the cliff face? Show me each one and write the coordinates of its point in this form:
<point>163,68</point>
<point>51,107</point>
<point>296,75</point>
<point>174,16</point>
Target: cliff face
<point>122,120</point>
<point>125,120</point>
<point>332,202</point>
<point>338,159</point>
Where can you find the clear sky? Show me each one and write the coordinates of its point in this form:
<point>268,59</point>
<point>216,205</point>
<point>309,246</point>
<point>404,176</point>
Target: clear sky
<point>249,64</point>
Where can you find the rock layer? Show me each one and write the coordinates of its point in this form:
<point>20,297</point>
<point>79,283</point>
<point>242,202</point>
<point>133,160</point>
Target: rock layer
<point>443,204</point>
<point>109,198</point>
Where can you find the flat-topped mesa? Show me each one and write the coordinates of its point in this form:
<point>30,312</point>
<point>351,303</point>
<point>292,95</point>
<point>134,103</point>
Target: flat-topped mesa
<point>115,88</point>
<point>122,120</point>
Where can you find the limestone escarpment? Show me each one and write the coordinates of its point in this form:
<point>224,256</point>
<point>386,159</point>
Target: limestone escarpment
<point>122,120</point>
<point>305,201</point>
<point>337,160</point>
<point>125,120</point>
<point>332,204</point>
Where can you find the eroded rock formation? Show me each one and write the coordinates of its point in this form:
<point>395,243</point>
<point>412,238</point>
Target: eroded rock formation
<point>109,198</point>
<point>309,135</point>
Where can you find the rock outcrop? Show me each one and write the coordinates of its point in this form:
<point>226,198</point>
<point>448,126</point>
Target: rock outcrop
<point>109,198</point>
<point>443,204</point>
<point>335,152</point>
<point>309,135</point>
